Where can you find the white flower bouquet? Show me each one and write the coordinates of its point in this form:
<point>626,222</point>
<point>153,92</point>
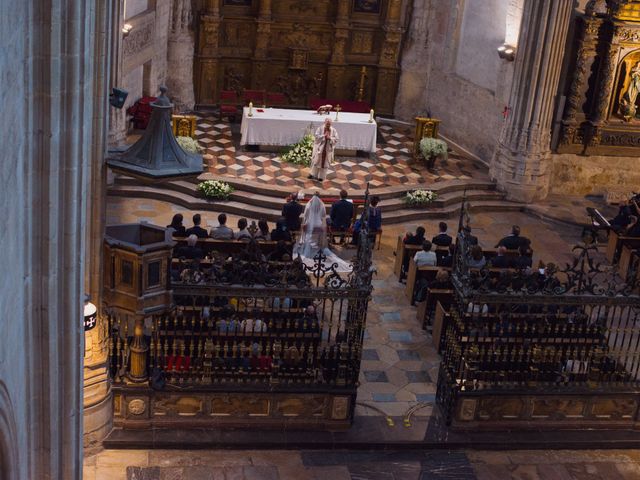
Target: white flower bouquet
<point>418,198</point>
<point>189,144</point>
<point>300,153</point>
<point>215,189</point>
<point>433,148</point>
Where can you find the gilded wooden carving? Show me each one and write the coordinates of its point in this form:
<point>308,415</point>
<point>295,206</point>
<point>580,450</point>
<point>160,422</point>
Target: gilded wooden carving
<point>180,405</point>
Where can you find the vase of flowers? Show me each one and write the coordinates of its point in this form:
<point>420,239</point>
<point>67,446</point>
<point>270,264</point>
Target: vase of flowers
<point>189,144</point>
<point>432,148</point>
<point>215,189</point>
<point>300,153</point>
<point>420,198</point>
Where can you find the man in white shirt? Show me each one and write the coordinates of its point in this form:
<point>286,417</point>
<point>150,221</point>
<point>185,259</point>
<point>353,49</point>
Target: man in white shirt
<point>426,257</point>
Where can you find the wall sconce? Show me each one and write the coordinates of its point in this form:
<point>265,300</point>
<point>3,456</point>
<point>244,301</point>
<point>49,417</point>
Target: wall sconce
<point>90,315</point>
<point>126,29</point>
<point>507,52</point>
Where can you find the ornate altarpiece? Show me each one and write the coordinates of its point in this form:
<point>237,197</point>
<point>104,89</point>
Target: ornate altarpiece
<point>301,48</point>
<point>602,109</point>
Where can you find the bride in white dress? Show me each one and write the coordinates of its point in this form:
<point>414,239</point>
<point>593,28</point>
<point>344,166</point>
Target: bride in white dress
<point>314,236</point>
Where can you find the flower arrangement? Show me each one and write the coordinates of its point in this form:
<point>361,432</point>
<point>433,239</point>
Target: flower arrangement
<point>418,198</point>
<point>432,148</point>
<point>189,144</point>
<point>300,153</point>
<point>215,189</point>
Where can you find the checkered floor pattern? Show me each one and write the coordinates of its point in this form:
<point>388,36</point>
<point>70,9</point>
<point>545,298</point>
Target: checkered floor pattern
<point>391,165</point>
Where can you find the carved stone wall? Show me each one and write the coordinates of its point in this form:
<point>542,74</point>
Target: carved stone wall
<point>300,48</point>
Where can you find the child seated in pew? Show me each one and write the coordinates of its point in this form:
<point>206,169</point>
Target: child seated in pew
<point>476,257</point>
<point>426,257</point>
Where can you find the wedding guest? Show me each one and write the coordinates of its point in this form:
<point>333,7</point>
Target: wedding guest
<point>426,257</point>
<point>222,232</point>
<point>501,260</point>
<point>263,231</point>
<point>197,230</point>
<point>242,233</point>
<point>476,257</point>
<point>442,239</point>
<point>191,251</point>
<point>414,238</point>
<point>341,213</point>
<point>281,232</point>
<point>514,240</point>
<point>178,227</point>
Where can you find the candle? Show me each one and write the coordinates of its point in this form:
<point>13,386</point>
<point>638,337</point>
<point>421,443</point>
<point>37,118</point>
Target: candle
<point>371,116</point>
<point>250,109</point>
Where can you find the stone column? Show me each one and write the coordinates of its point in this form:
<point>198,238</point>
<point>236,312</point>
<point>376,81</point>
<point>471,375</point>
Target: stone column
<point>388,70</point>
<point>337,65</point>
<point>521,164</point>
<point>98,409</point>
<point>117,118</point>
<point>180,53</point>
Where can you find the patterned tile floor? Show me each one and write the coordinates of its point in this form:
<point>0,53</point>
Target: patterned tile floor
<point>356,465</point>
<point>391,164</point>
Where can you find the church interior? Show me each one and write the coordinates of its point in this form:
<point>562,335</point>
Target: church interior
<point>312,239</point>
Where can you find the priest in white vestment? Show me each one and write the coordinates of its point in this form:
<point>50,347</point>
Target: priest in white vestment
<point>326,138</point>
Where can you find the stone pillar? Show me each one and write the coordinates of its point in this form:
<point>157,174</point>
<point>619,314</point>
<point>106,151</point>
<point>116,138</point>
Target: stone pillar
<point>521,164</point>
<point>117,118</point>
<point>388,70</point>
<point>98,410</point>
<point>338,65</point>
<point>180,53</point>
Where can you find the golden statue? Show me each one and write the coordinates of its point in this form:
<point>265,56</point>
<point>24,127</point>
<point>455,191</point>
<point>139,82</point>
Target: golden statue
<point>628,105</point>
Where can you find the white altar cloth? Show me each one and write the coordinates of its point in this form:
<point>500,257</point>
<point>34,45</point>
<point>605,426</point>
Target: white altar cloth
<point>280,126</point>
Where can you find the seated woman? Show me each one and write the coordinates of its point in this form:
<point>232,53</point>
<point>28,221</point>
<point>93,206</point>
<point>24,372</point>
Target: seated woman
<point>263,231</point>
<point>242,233</point>
<point>476,258</point>
<point>281,232</point>
<point>178,227</point>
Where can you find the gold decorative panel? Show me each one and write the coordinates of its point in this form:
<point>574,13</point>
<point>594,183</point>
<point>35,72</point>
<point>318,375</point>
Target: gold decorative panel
<point>185,406</point>
<point>239,405</point>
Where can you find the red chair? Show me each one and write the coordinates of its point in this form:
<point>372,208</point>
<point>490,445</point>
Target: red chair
<point>228,104</point>
<point>255,96</point>
<point>276,98</point>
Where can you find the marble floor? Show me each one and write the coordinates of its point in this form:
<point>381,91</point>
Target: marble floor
<point>362,465</point>
<point>391,164</point>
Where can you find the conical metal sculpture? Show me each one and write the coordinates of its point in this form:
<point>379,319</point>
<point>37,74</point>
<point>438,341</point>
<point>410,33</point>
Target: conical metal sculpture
<point>157,154</point>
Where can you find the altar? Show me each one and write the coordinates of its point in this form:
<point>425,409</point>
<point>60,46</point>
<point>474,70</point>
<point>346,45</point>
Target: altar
<point>280,127</point>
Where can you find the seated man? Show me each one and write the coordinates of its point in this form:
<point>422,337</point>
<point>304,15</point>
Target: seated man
<point>191,251</point>
<point>197,230</point>
<point>222,232</point>
<point>525,259</point>
<point>471,239</point>
<point>414,238</point>
<point>442,239</point>
<point>426,257</point>
<point>501,260</point>
<point>341,213</point>
<point>514,240</point>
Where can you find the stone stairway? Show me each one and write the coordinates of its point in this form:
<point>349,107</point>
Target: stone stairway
<point>260,200</point>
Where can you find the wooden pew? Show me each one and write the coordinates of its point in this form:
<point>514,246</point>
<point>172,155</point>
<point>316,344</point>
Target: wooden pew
<point>440,321</point>
<point>598,222</point>
<point>626,257</point>
<point>427,308</point>
<point>414,273</point>
<point>403,252</point>
<point>615,243</point>
<point>209,245</point>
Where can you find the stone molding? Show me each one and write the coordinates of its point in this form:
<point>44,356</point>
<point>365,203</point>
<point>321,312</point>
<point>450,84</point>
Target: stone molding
<point>9,455</point>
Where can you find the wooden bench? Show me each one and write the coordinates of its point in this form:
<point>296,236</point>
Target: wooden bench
<point>403,253</point>
<point>415,273</point>
<point>627,255</point>
<point>598,222</point>
<point>426,309</point>
<point>615,244</point>
<point>441,319</point>
<point>209,245</point>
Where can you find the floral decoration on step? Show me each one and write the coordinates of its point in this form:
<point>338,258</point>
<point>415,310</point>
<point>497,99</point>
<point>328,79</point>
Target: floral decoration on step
<point>418,198</point>
<point>189,144</point>
<point>215,189</point>
<point>300,153</point>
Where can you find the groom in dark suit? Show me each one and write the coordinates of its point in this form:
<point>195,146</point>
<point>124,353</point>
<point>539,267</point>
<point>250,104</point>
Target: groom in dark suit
<point>291,212</point>
<point>341,213</point>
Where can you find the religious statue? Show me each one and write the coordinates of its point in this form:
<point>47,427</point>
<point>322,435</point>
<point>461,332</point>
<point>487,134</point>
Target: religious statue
<point>628,102</point>
<point>326,138</point>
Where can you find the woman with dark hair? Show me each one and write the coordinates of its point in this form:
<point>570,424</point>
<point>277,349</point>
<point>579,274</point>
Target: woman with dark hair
<point>281,232</point>
<point>176,224</point>
<point>263,230</point>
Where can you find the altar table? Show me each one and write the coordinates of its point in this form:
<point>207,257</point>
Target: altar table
<point>283,127</point>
